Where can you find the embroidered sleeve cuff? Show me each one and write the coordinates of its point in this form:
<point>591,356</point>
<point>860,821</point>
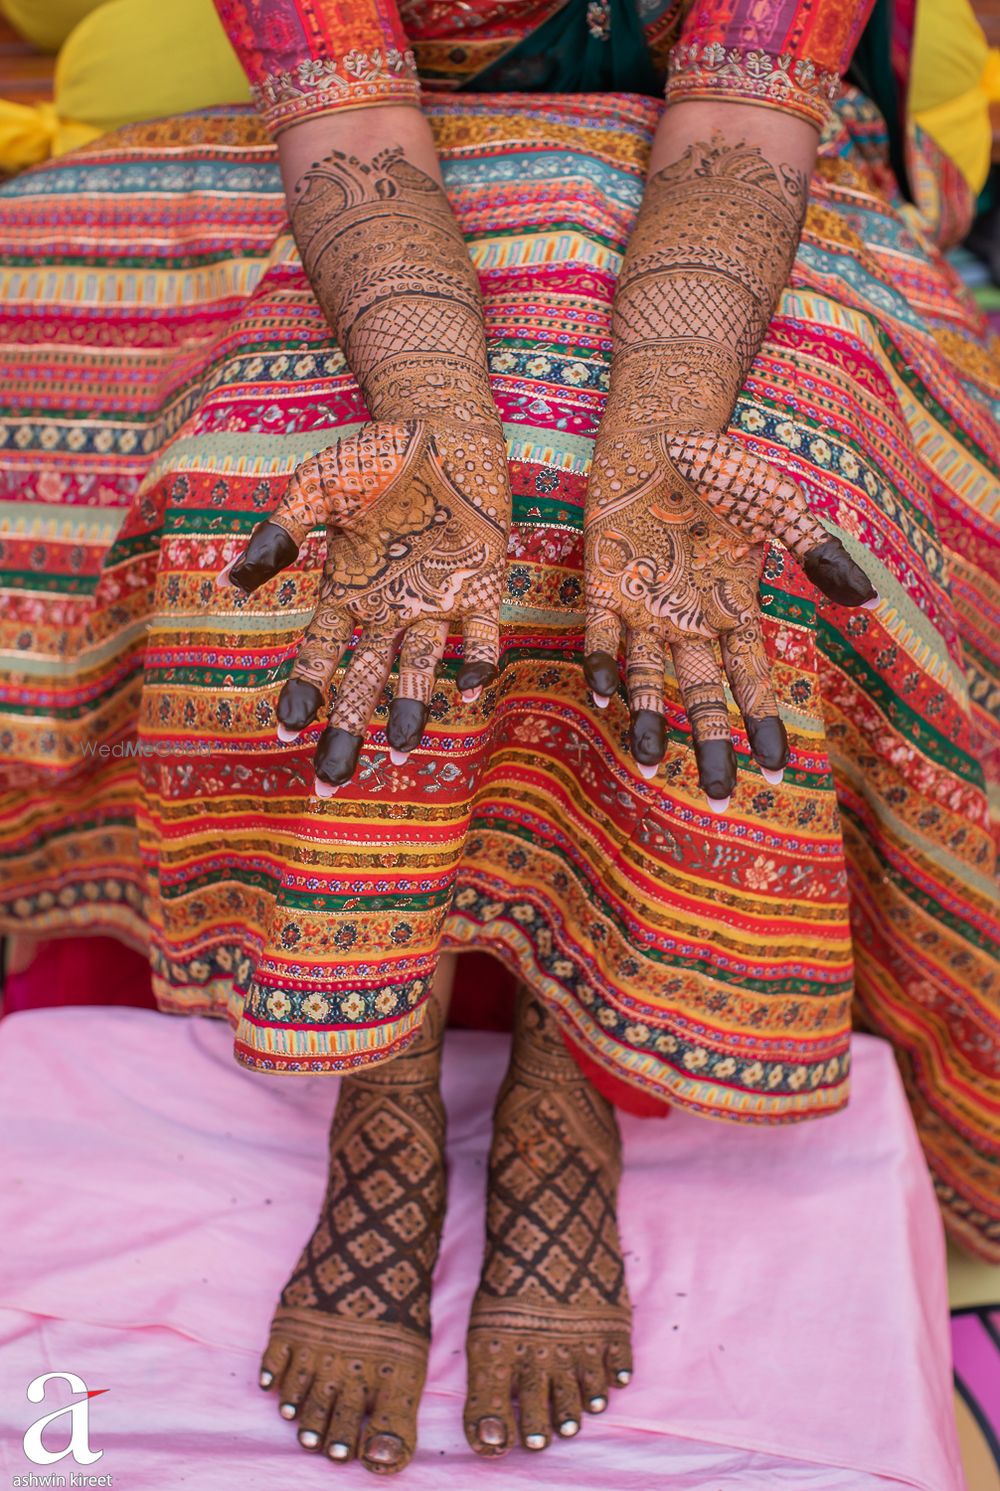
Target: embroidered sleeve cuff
<point>323,85</point>
<point>711,70</point>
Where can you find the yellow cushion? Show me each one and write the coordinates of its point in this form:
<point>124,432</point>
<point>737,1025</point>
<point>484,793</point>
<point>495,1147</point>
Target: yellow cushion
<point>46,23</point>
<point>141,59</point>
<point>954,78</point>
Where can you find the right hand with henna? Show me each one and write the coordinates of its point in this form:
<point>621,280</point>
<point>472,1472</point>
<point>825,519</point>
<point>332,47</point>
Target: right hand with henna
<point>417,517</point>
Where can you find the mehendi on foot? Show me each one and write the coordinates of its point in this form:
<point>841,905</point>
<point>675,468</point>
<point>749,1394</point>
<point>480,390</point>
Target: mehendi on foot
<point>550,1329</point>
<point>347,1355</point>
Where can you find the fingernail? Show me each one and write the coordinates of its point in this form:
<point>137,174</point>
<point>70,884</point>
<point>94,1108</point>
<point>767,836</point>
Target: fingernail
<point>287,1410</point>
<point>568,1428</point>
<point>323,789</point>
<point>774,777</point>
<point>535,1441</point>
<point>288,735</point>
<point>469,696</point>
<point>648,769</point>
<point>492,1431</point>
<point>266,1378</point>
<point>601,700</point>
<point>308,1438</point>
<point>597,1405</point>
<point>718,804</point>
<point>870,605</point>
<point>338,1451</point>
<point>398,758</point>
<point>624,1377</point>
<point>222,578</point>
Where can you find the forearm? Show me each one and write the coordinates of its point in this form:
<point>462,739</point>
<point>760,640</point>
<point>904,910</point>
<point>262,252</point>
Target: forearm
<point>388,263</point>
<point>709,256</point>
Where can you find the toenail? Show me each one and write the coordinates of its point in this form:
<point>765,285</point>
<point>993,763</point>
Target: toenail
<point>339,1451</point>
<point>597,1405</point>
<point>492,1431</point>
<point>384,1449</point>
<point>308,1439</point>
<point>287,1410</point>
<point>623,1378</point>
<point>568,1428</point>
<point>535,1441</point>
<point>266,1378</point>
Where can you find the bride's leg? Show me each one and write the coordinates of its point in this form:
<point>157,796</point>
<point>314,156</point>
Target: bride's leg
<point>347,1355</point>
<point>551,1321</point>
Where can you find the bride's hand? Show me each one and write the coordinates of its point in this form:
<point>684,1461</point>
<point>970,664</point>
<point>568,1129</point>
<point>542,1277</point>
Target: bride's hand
<point>417,518</point>
<point>675,533</point>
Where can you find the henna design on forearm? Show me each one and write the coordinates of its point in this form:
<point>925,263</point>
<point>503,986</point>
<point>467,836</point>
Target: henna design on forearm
<point>417,504</point>
<point>389,266</point>
<point>708,258</point>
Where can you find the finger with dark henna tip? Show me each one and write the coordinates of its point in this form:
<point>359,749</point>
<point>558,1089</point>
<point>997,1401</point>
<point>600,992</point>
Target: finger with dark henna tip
<point>269,551</point>
<point>699,678</point>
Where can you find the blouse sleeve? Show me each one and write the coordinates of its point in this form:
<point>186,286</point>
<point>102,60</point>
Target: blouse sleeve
<point>309,57</point>
<point>785,54</point>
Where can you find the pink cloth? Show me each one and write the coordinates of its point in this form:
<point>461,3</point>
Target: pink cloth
<point>791,1322</point>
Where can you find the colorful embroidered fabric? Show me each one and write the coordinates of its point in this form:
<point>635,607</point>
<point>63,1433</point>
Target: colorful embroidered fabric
<point>789,55</point>
<point>166,366</point>
<point>309,57</point>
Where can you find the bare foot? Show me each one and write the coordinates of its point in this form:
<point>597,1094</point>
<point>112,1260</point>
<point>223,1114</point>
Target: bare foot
<point>347,1356</point>
<point>551,1321</point>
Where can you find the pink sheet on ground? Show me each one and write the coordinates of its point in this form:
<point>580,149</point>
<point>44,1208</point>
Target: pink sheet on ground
<point>791,1321</point>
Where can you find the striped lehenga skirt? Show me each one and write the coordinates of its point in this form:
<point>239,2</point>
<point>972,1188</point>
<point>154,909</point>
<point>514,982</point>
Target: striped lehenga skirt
<point>165,366</point>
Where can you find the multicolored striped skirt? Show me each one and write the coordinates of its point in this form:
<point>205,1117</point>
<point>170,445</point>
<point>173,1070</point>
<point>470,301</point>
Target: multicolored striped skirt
<point>165,368</point>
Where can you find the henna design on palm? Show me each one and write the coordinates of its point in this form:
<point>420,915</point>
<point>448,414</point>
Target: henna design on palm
<point>675,532</point>
<point>417,516</point>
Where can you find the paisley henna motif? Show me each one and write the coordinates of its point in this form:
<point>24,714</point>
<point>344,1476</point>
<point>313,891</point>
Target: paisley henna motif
<point>678,515</point>
<point>416,506</point>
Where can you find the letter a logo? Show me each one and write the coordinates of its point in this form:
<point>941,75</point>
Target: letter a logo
<point>79,1413</point>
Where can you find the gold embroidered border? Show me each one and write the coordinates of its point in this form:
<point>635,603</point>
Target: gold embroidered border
<point>781,81</point>
<point>321,85</point>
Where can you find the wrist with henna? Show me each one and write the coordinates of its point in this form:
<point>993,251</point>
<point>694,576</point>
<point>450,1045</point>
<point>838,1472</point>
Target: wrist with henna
<point>708,258</point>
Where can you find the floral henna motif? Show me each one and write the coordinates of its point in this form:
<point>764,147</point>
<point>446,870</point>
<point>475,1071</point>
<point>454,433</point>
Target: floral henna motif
<point>678,515</point>
<point>416,506</point>
<point>551,1320</point>
<point>675,533</point>
<point>351,1332</point>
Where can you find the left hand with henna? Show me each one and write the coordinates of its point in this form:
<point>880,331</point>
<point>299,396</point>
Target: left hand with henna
<point>675,532</point>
